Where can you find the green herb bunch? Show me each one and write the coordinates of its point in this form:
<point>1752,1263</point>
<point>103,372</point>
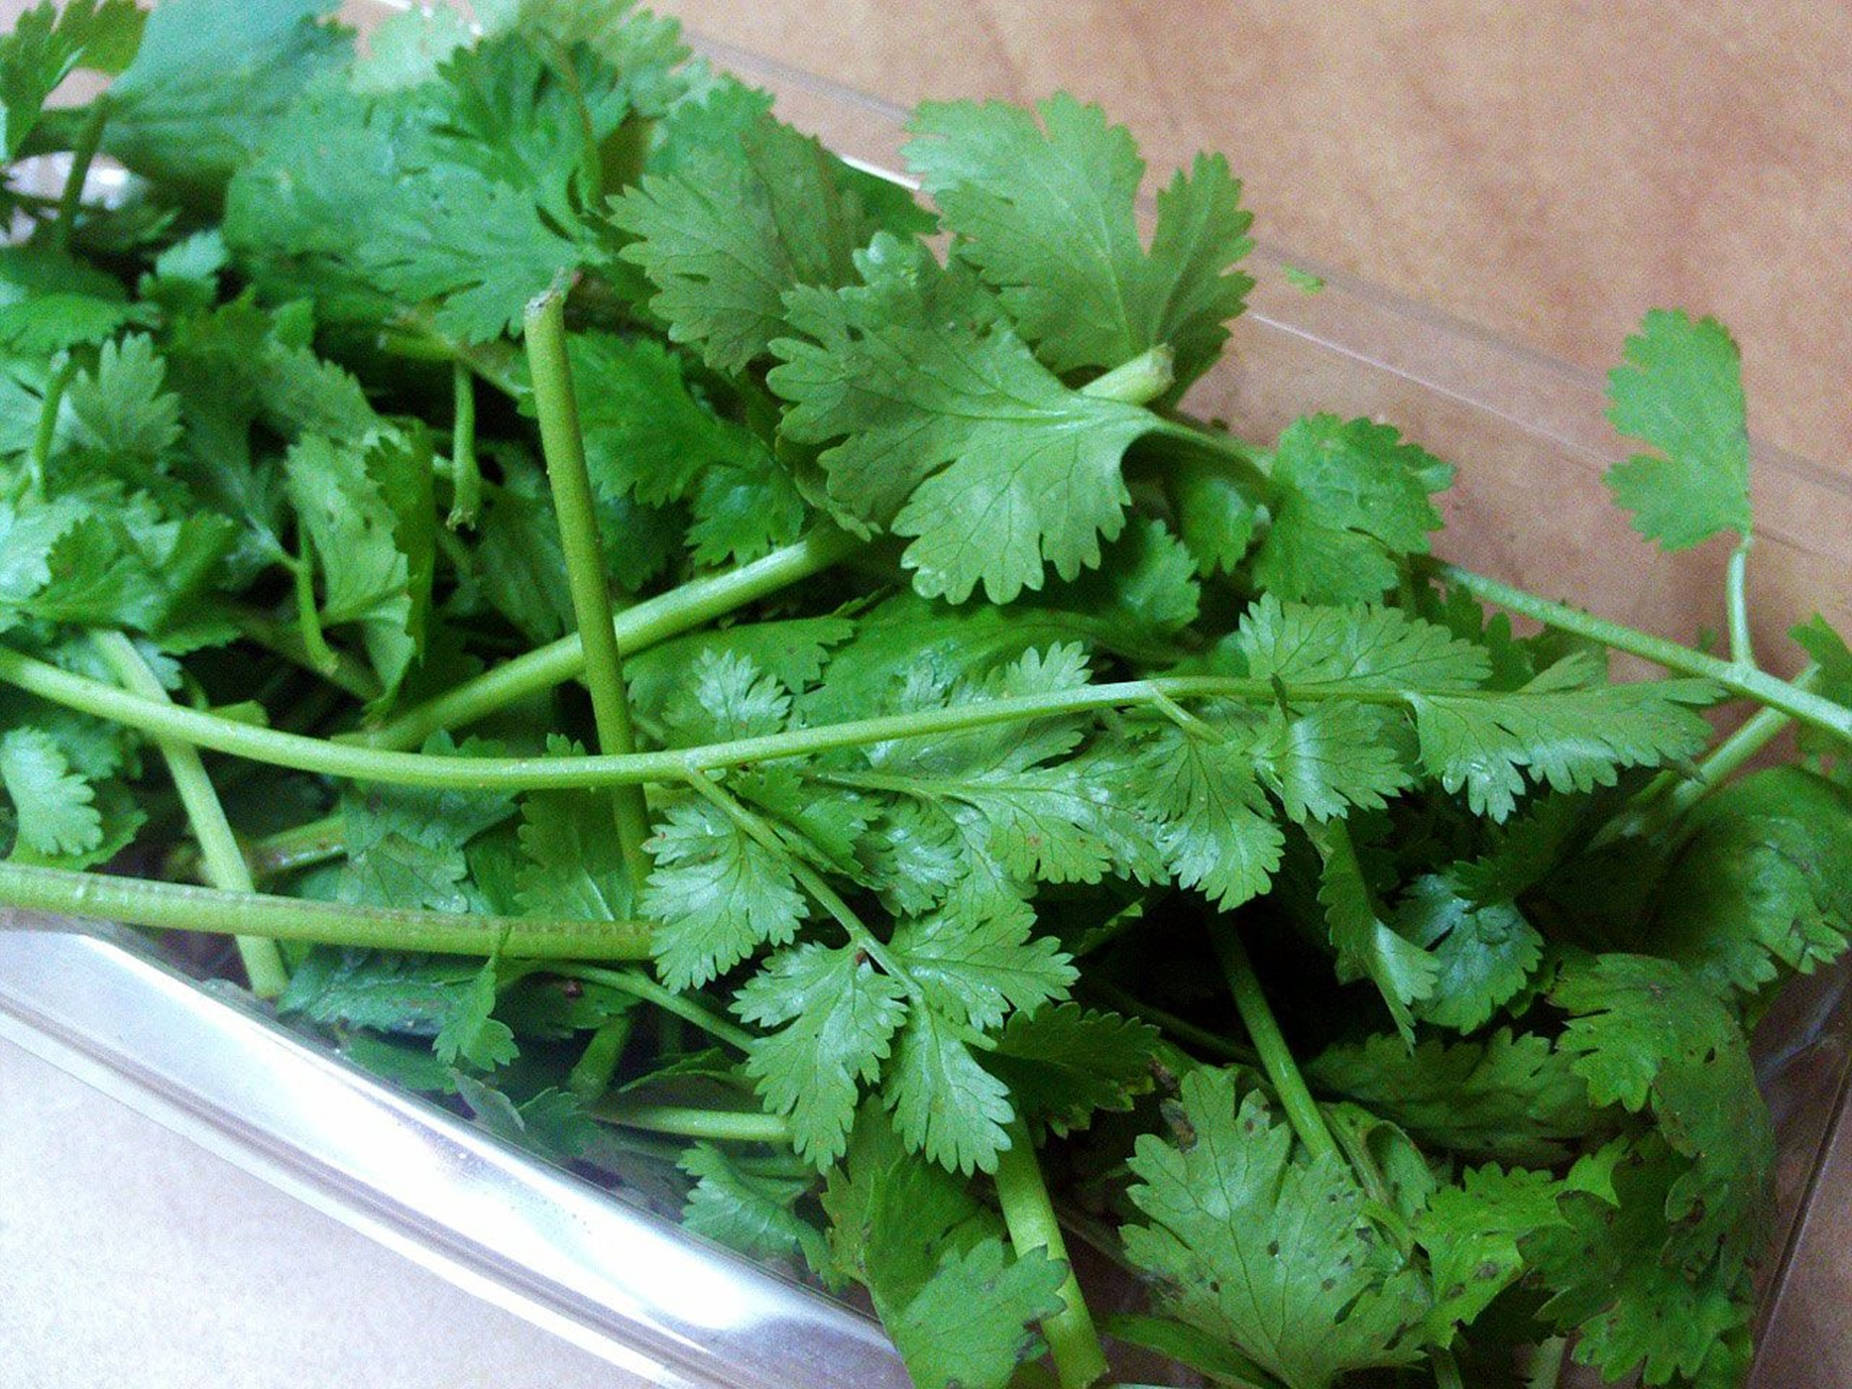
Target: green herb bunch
<point>754,683</point>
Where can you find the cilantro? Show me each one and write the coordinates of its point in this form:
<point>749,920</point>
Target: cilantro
<point>960,686</point>
<point>1048,217</point>
<point>1681,392</point>
<point>1271,1252</point>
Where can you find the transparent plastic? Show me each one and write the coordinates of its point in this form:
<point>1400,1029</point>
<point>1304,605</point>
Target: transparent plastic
<point>1530,441</point>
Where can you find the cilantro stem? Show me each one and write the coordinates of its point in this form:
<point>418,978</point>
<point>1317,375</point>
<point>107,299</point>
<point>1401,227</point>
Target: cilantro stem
<point>314,641</point>
<point>1747,681</point>
<point>1181,1028</point>
<point>83,152</point>
<point>289,641</point>
<point>1736,585</point>
<point>655,620</point>
<point>218,847</point>
<point>564,448</point>
<point>639,985</point>
<point>686,1121</point>
<point>1073,1340</point>
<point>47,431</point>
<point>300,846</point>
<point>1276,1059</point>
<point>465,469</point>
<point>591,1074</point>
<point>183,907</point>
<point>1138,381</point>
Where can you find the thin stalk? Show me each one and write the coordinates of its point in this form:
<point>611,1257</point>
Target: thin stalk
<point>591,1074</point>
<point>1181,1028</point>
<point>1275,1058</point>
<point>639,985</point>
<point>292,643</point>
<point>727,1125</point>
<point>1073,1340</point>
<point>1744,680</point>
<point>300,846</point>
<point>218,847</point>
<point>692,605</point>
<point>1668,796</point>
<point>465,468</point>
<point>1736,586</point>
<point>47,430</point>
<point>183,907</point>
<point>83,151</point>
<point>314,642</point>
<point>564,448</point>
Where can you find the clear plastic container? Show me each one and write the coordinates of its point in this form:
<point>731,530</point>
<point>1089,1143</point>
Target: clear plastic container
<point>1530,441</point>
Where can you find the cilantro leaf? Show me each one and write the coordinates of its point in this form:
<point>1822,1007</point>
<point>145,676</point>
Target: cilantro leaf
<point>210,82</point>
<point>960,1308</point>
<point>572,867</point>
<point>1332,756</point>
<point>47,45</point>
<point>1272,1252</point>
<point>54,804</point>
<point>717,895</point>
<point>958,437</point>
<point>1471,1234</point>
<point>723,237</point>
<point>1048,217</point>
<point>945,1104</point>
<point>1350,499</point>
<point>1065,1064</point>
<point>748,1211</point>
<point>1642,1031</point>
<point>119,413</point>
<point>1366,945</point>
<point>1319,648</point>
<point>469,1033</point>
<point>1564,729</point>
<point>1681,392</point>
<point>1213,825</point>
<point>1485,951</point>
<point>1760,885</point>
<point>839,1015</point>
<point>1508,1097</point>
<point>977,970</point>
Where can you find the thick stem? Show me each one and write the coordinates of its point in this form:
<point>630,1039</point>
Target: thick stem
<point>1742,644</point>
<point>591,1074</point>
<point>83,152</point>
<point>1144,378</point>
<point>564,448</point>
<point>1747,681</point>
<point>727,1125</point>
<point>218,847</point>
<point>655,620</point>
<point>465,468</point>
<point>1073,1340</point>
<point>182,907</point>
<point>1275,1058</point>
<point>639,985</point>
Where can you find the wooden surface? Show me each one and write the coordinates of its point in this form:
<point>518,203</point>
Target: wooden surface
<point>1545,171</point>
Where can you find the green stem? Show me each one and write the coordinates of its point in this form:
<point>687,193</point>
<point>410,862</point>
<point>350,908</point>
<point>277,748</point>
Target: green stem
<point>1742,645</point>
<point>1275,1058</point>
<point>314,642</point>
<point>683,609</point>
<point>83,151</point>
<point>301,846</point>
<point>465,468</point>
<point>1181,1028</point>
<point>1142,379</point>
<point>1744,680</point>
<point>292,643</point>
<point>591,1074</point>
<point>1671,794</point>
<point>564,448</point>
<point>639,985</point>
<point>183,907</point>
<point>727,1125</point>
<point>1073,1340</point>
<point>47,431</point>
<point>218,847</point>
